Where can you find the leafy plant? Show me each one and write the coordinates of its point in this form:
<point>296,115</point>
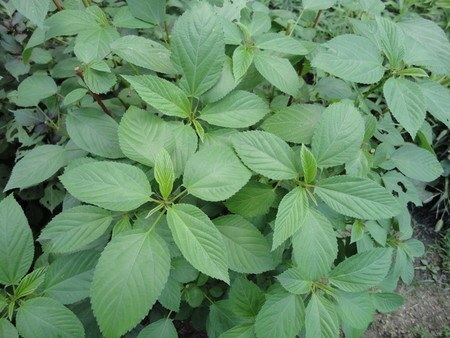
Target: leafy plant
<point>226,165</point>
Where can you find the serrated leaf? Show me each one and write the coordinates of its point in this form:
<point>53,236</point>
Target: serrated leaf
<point>46,317</point>
<point>416,163</point>
<point>124,19</point>
<point>246,330</point>
<point>144,53</point>
<point>149,10</point>
<point>199,240</point>
<point>34,89</point>
<point>16,242</point>
<point>355,309</point>
<point>362,271</point>
<point>45,160</point>
<point>338,136</point>
<point>34,10</point>
<point>75,228</point>
<point>290,216</point>
<point>164,173</point>
<point>391,39</point>
<point>242,59</point>
<point>198,49</point>
<point>357,197</point>
<point>141,267</point>
<point>7,329</point>
<point>352,58</point>
<point>239,109</point>
<point>162,328</point>
<point>69,22</point>
<point>294,281</point>
<point>222,87</point>
<point>215,173</point>
<point>30,282</point>
<point>266,154</point>
<point>161,94</point>
<point>246,298</point>
<point>280,43</point>
<point>94,131</point>
<point>406,102</point>
<point>315,245</point>
<point>321,318</point>
<point>98,82</point>
<point>309,164</point>
<point>387,302</point>
<point>282,315</point>
<point>170,296</point>
<point>278,71</point>
<point>110,185</point>
<point>94,43</point>
<point>142,135</point>
<point>185,145</point>
<point>437,100</point>
<point>247,249</point>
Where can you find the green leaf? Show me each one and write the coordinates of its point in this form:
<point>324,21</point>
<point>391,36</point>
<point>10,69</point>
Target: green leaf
<point>68,278</point>
<point>416,163</point>
<point>280,43</point>
<point>222,87</point>
<point>282,315</point>
<point>247,249</point>
<point>221,318</point>
<point>75,228</point>
<point>141,264</point>
<point>124,19</point>
<point>215,173</point>
<point>74,96</point>
<point>352,58</point>
<point>164,173</point>
<point>357,197</point>
<point>406,102</point>
<point>44,160</point>
<point>16,242</point>
<point>109,185</point>
<point>278,71</point>
<point>355,309</point>
<point>161,94</point>
<point>170,296</point>
<point>362,271</point>
<point>387,302</point>
<point>242,59</point>
<point>304,118</point>
<point>99,82</point>
<point>29,284</point>
<point>162,328</point>
<point>144,53</point>
<point>254,199</point>
<point>309,164</point>
<point>391,38</point>
<point>34,10</point>
<point>199,240</point>
<point>46,317</point>
<point>314,5</point>
<point>95,43</point>
<point>34,89</point>
<point>266,154</point>
<point>152,11</point>
<point>185,145</point>
<point>143,135</point>
<point>239,109</point>
<point>246,330</point>
<point>321,318</point>
<point>198,49</point>
<point>69,22</point>
<point>314,245</point>
<point>294,281</point>
<point>94,131</point>
<point>290,216</point>
<point>437,100</point>
<point>338,136</point>
<point>246,298</point>
<point>7,330</point>
<point>358,231</point>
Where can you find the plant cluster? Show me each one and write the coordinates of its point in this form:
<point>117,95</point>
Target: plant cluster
<point>243,166</point>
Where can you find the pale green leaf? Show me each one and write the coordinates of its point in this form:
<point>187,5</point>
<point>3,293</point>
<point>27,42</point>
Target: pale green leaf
<point>164,173</point>
<point>162,328</point>
<point>161,94</point>
<point>7,330</point>
<point>242,59</point>
<point>247,249</point>
<point>222,87</point>
<point>75,228</point>
<point>290,216</point>
<point>170,296</point>
<point>34,10</point>
<point>280,43</point>
<point>246,330</point>
<point>278,71</point>
<point>16,242</point>
<point>185,145</point>
<point>34,89</point>
<point>94,44</point>
<point>144,53</point>
<point>141,265</point>
<point>246,298</point>
<point>46,317</point>
<point>355,309</point>
<point>416,163</point>
<point>362,271</point>
<point>437,100</point>
<point>198,49</point>
<point>98,82</point>
<point>69,22</point>
<point>321,318</point>
<point>352,58</point>
<point>309,164</point>
<point>338,136</point>
<point>266,154</point>
<point>152,11</point>
<point>317,4</point>
<point>391,39</point>
<point>387,302</point>
<point>94,131</point>
<point>36,166</point>
<point>199,240</point>
<point>74,96</point>
<point>29,284</point>
<point>215,173</point>
<point>239,109</point>
<point>124,19</point>
<point>357,197</point>
<point>110,185</point>
<point>294,281</point>
<point>406,102</point>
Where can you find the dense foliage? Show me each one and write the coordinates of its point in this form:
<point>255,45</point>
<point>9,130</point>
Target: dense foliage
<point>245,167</point>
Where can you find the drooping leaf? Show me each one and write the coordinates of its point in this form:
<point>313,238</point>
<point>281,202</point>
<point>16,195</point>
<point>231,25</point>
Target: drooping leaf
<point>199,240</point>
<point>215,173</point>
<point>266,154</point>
<point>110,185</point>
<point>357,197</point>
<point>321,318</point>
<point>141,264</point>
<point>247,249</point>
<point>45,160</point>
<point>75,228</point>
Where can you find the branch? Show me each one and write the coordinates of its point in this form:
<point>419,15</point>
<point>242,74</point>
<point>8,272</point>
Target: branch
<point>58,5</point>
<point>316,20</point>
<point>95,96</point>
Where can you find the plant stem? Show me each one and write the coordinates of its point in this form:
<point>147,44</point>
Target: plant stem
<point>156,221</point>
<point>296,22</point>
<point>316,20</point>
<point>95,96</point>
<point>86,3</point>
<point>58,5</point>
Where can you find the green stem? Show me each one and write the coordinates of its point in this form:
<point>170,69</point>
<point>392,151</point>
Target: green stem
<point>156,221</point>
<point>296,22</point>
<point>178,196</point>
<point>86,3</point>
